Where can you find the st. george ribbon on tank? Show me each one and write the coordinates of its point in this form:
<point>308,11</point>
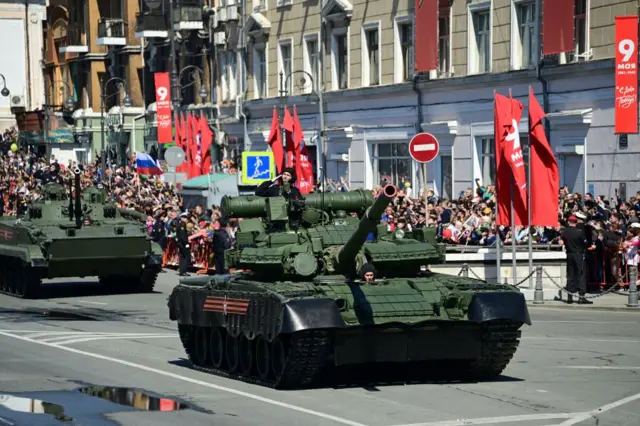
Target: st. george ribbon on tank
<point>295,308</point>
<point>76,233</point>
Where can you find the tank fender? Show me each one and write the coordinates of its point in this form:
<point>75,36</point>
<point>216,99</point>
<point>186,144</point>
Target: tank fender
<point>155,255</point>
<point>305,314</point>
<point>30,254</point>
<point>507,305</point>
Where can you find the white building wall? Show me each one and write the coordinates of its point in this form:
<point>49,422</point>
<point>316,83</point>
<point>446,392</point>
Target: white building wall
<point>16,60</point>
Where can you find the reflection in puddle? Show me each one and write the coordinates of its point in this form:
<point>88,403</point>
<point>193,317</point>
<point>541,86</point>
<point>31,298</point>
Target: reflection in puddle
<point>28,405</point>
<point>133,398</point>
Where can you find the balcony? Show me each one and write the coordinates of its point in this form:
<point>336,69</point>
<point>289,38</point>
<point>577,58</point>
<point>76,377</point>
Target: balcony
<point>187,15</point>
<point>74,42</point>
<point>151,25</point>
<point>112,32</point>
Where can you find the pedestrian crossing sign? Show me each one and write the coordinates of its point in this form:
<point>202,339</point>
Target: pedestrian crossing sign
<point>257,167</point>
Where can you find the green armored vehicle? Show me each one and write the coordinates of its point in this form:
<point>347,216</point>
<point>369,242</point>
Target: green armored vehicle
<point>76,236</point>
<point>296,308</point>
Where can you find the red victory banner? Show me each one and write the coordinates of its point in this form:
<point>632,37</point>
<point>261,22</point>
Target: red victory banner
<point>626,114</point>
<point>163,107</point>
<point>426,52</point>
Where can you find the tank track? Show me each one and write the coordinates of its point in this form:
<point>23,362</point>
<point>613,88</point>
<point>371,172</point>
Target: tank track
<point>500,341</point>
<point>18,279</point>
<point>307,357</point>
<point>126,284</point>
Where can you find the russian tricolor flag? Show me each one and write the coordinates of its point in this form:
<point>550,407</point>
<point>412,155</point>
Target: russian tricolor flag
<point>145,165</point>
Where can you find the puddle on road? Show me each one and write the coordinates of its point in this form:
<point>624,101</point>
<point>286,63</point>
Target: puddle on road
<point>133,398</point>
<point>36,406</point>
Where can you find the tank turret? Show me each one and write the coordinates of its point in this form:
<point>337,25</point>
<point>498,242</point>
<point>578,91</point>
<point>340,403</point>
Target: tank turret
<point>371,219</point>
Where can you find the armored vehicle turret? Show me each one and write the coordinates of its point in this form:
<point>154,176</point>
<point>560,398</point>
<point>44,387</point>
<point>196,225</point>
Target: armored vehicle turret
<point>75,233</point>
<point>297,305</point>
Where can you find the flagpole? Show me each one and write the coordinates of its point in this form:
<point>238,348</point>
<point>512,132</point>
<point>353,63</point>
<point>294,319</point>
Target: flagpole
<point>530,244</point>
<point>514,264</point>
<point>498,240</point>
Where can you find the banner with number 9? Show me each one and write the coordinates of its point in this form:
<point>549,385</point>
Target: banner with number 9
<point>626,90</point>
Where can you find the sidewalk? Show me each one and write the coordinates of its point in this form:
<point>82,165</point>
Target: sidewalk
<point>607,302</point>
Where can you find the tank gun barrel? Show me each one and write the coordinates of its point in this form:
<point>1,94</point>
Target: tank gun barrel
<point>78,201</point>
<point>368,224</point>
<point>133,214</point>
<point>356,201</point>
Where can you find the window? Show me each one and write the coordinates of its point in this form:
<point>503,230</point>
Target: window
<point>391,163</point>
<point>260,4</point>
<point>283,3</point>
<point>284,65</point>
<point>231,73</point>
<point>340,54</point>
<point>580,28</point>
<point>446,176</point>
<point>311,62</point>
<point>444,41</point>
<point>523,34</point>
<point>480,42</point>
<point>405,34</point>
<point>260,71</point>
<point>487,161</point>
<point>371,62</point>
<point>224,76</point>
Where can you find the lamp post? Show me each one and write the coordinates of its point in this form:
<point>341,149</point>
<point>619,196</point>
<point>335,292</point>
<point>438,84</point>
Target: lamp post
<point>4,92</point>
<point>103,99</point>
<point>302,83</point>
<point>69,105</point>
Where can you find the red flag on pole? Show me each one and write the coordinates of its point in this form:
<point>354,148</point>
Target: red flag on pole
<point>288,125</point>
<point>181,141</point>
<point>304,169</point>
<point>275,142</point>
<point>509,161</point>
<point>426,18</point>
<point>206,142</point>
<point>557,26</point>
<point>544,170</point>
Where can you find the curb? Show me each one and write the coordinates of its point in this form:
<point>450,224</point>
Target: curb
<point>565,307</point>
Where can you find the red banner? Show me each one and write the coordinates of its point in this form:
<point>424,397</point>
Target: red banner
<point>557,26</point>
<point>163,107</point>
<point>426,50</point>
<point>626,74</point>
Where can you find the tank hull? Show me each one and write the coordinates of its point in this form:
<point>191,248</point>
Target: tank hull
<point>303,341</point>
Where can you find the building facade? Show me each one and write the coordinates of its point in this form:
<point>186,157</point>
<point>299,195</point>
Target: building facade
<point>373,107</point>
<point>21,47</point>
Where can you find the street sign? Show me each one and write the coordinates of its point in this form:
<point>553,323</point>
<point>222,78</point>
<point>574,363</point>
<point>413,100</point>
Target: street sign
<point>424,147</point>
<point>174,156</point>
<point>257,167</point>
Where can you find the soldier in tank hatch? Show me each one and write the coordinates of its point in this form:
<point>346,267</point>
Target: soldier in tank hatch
<point>270,188</point>
<point>368,273</point>
<point>182,237</point>
<point>574,239</point>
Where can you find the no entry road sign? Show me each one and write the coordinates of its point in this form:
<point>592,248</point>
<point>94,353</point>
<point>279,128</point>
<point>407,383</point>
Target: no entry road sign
<point>424,147</point>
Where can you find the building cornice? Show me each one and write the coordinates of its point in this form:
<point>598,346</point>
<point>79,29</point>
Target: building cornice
<point>571,117</point>
<point>441,128</point>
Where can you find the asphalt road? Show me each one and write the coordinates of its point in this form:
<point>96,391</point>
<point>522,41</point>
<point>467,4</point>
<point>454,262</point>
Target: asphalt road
<point>572,368</point>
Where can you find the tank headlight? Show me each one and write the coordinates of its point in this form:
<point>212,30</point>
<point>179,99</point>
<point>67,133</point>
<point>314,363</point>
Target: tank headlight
<point>399,234</point>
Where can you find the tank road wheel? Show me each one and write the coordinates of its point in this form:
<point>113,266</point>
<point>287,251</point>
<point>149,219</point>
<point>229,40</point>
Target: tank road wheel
<point>216,347</point>
<point>147,280</point>
<point>279,355</point>
<point>27,282</point>
<point>201,346</point>
<point>187,337</point>
<point>232,353</point>
<point>263,358</point>
<point>245,349</point>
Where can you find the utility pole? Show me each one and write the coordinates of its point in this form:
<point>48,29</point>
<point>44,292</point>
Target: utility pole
<point>175,93</point>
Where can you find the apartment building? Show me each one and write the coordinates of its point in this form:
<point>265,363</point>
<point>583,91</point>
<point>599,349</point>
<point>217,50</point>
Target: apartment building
<point>21,47</point>
<point>373,107</point>
<point>103,54</point>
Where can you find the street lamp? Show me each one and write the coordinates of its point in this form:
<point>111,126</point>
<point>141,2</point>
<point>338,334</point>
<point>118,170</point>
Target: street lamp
<point>103,100</point>
<point>304,81</point>
<point>197,74</point>
<point>4,92</point>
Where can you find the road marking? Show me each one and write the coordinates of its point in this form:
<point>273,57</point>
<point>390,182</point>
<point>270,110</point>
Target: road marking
<point>542,391</point>
<point>504,419</point>
<point>92,303</point>
<point>89,339</point>
<point>568,339</point>
<point>588,322</point>
<point>587,415</point>
<point>190,380</point>
<point>6,422</point>
<point>597,367</point>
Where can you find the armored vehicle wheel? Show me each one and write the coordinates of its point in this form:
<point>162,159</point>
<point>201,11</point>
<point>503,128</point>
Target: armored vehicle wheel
<point>246,355</point>
<point>216,347</point>
<point>279,356</point>
<point>500,342</point>
<point>201,346</point>
<point>263,357</point>
<point>232,354</point>
<point>143,283</point>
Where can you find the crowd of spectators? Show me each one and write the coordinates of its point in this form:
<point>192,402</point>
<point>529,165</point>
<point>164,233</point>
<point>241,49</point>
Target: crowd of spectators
<point>469,220</point>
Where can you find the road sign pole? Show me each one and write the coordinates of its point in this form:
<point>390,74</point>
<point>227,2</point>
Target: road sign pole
<point>424,148</point>
<point>424,190</point>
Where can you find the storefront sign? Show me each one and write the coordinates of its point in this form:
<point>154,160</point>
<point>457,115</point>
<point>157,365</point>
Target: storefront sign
<point>626,95</point>
<point>163,107</point>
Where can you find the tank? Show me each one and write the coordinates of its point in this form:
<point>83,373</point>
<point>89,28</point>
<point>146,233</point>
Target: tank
<point>76,236</point>
<point>295,310</point>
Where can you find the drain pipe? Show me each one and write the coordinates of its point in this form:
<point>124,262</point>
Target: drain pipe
<point>416,88</point>
<point>545,98</point>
